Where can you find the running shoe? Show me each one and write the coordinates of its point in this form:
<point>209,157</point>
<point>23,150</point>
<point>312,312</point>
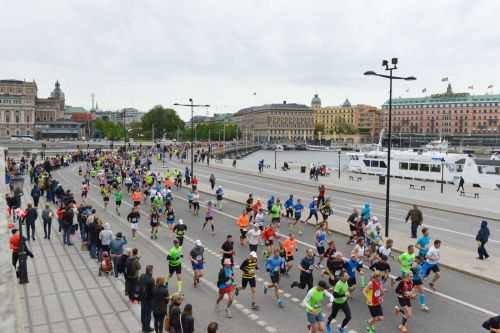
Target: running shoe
<point>328,328</point>
<point>265,290</point>
<point>228,313</point>
<point>341,329</point>
<point>280,303</point>
<point>424,308</point>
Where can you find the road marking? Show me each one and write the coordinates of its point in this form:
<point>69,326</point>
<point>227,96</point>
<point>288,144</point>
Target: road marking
<point>261,323</point>
<point>295,299</point>
<point>456,300</point>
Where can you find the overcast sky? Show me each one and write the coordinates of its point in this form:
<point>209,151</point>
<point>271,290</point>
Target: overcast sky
<point>141,53</point>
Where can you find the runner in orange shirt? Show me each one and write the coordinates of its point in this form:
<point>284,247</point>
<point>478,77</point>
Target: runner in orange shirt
<point>243,222</point>
<point>136,197</point>
<point>255,208</point>
<point>290,245</point>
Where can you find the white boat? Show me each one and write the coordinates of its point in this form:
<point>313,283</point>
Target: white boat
<point>318,148</point>
<point>429,166</point>
<point>279,148</point>
<point>439,145</point>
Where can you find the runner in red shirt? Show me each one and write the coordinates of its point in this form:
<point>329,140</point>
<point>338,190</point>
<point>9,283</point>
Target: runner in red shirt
<point>374,293</point>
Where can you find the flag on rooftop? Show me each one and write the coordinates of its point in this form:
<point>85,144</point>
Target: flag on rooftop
<point>424,90</point>
<point>470,87</point>
<point>444,79</point>
<point>490,86</point>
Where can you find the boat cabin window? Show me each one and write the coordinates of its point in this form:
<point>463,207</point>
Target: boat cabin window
<point>435,168</point>
<point>488,169</point>
<point>403,165</point>
<point>382,164</point>
<point>414,166</point>
<point>374,163</point>
<point>354,157</point>
<point>366,162</point>
<point>424,167</point>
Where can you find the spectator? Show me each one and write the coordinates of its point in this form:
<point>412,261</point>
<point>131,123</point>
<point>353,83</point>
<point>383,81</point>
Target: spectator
<point>416,218</point>
<point>187,319</point>
<point>106,236</point>
<point>212,327</point>
<point>174,314</point>
<point>35,194</point>
<point>132,268</point>
<point>93,230</point>
<point>146,286</point>
<point>47,215</point>
<point>116,251</point>
<point>67,224</point>
<point>482,238</point>
<point>159,304</point>
<point>31,216</point>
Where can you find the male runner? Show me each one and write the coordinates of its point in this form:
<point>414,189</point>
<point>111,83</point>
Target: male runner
<point>313,302</point>
<point>248,267</point>
<point>274,265</point>
<point>174,258</point>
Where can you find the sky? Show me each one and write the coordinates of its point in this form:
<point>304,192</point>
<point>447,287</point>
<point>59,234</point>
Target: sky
<point>234,54</point>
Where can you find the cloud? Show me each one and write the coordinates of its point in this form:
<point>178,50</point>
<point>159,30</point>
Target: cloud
<point>143,53</point>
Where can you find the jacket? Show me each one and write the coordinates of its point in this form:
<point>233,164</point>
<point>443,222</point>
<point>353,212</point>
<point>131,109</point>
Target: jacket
<point>484,233</point>
<point>31,215</point>
<point>146,284</point>
<point>116,245</point>
<point>15,242</point>
<point>106,235</point>
<point>187,323</point>
<point>415,216</point>
<point>160,300</point>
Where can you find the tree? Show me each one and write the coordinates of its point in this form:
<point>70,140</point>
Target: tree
<point>319,128</point>
<point>109,129</point>
<point>165,122</point>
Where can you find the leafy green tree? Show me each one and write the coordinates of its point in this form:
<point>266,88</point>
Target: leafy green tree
<point>109,129</point>
<point>165,121</point>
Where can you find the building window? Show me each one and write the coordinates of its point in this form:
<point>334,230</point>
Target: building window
<point>7,117</point>
<point>17,118</point>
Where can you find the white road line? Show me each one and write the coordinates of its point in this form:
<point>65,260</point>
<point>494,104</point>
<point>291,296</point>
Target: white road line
<point>295,299</point>
<point>261,323</point>
<point>253,316</point>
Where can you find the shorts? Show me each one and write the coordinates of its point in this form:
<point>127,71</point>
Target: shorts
<point>134,226</point>
<point>118,203</point>
<point>197,266</point>
<point>106,199</point>
<point>253,247</point>
<point>404,302</point>
<point>321,250</point>
<point>376,310</point>
<point>208,218</point>
<point>288,258</point>
<point>136,203</point>
<point>170,221</point>
<point>427,268</point>
<point>418,282</point>
<point>315,318</point>
<point>268,242</point>
<point>243,233</point>
<point>275,277</point>
<point>351,282</point>
<point>298,217</point>
<point>196,205</point>
<point>275,220</point>
<point>246,281</point>
<point>226,290</point>
<point>174,269</point>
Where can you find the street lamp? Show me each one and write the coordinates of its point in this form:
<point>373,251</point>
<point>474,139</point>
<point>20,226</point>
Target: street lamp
<point>340,151</point>
<point>192,106</point>
<point>389,68</point>
<point>442,174</point>
<point>17,187</point>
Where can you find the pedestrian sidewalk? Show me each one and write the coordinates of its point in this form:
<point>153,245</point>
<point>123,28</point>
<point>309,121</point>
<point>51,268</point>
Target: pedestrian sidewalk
<point>459,259</point>
<point>65,294</point>
<point>485,206</point>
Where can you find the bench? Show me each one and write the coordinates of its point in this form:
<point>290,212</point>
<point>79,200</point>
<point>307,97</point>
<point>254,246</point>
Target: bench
<point>417,188</point>
<point>475,195</point>
<point>355,179</point>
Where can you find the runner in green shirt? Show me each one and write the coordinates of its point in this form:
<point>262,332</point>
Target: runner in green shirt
<point>174,258</point>
<point>406,259</point>
<point>341,293</point>
<point>313,302</point>
<point>118,200</point>
<point>276,212</point>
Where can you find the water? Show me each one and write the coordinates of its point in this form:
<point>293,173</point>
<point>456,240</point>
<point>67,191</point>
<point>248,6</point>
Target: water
<point>295,158</point>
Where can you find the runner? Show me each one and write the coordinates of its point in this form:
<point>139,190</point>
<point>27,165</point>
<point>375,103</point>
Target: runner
<point>133,217</point>
<point>136,197</point>
<point>249,206</point>
<point>219,194</point>
<point>248,267</point>
<point>180,230</point>
<point>225,283</point>
<point>352,220</point>
<point>406,259</point>
<point>297,209</point>
<point>253,236</point>
<point>432,263</point>
<point>353,265</point>
<point>85,190</point>
<point>313,302</point>
<point>290,246</point>
<point>306,268</point>
<point>209,218</point>
<point>170,215</point>
<point>320,241</point>
<point>341,293</point>
<point>423,243</point>
<point>268,235</point>
<point>243,222</point>
<point>260,219</point>
<point>274,265</point>
<point>197,261</point>
<point>105,192</point>
<point>118,200</point>
<point>196,203</point>
<point>381,266</point>
<point>227,249</point>
<point>418,284</point>
<point>190,199</point>
<point>155,223</point>
<point>405,294</point>
<point>174,258</point>
<point>276,213</point>
<point>374,293</point>
<point>289,206</point>
<point>313,210</point>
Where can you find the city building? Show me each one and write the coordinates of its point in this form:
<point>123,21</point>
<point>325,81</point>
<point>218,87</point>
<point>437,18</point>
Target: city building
<point>286,122</point>
<point>106,115</point>
<point>359,123</point>
<point>447,114</point>
<point>128,116</point>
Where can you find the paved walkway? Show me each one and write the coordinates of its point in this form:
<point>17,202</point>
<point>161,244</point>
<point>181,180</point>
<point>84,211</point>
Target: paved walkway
<point>486,205</point>
<point>66,295</point>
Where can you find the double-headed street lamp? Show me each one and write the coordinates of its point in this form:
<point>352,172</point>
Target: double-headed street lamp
<point>192,106</point>
<point>393,66</point>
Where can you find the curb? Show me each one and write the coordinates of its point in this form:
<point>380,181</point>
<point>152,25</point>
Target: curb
<point>450,267</point>
<point>424,204</point>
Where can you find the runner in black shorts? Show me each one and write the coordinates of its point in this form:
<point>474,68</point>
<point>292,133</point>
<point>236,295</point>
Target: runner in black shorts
<point>404,292</point>
<point>248,268</point>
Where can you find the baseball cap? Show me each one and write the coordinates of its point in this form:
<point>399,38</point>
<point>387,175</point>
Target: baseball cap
<point>253,254</point>
<point>197,242</point>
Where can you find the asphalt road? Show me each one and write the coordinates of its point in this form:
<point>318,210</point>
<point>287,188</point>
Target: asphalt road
<point>455,229</point>
<point>461,305</point>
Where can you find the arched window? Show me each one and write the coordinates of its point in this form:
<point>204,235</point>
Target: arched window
<point>17,118</point>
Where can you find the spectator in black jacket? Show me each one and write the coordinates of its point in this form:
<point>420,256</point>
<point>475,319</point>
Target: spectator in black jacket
<point>146,284</point>
<point>159,304</point>
<point>187,319</point>
<point>67,223</point>
<point>492,324</point>
<point>482,238</point>
<point>31,216</point>
<point>35,194</point>
<point>174,313</point>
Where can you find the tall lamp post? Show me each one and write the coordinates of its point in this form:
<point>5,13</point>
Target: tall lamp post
<point>17,187</point>
<point>192,106</point>
<point>442,175</point>
<point>339,161</point>
<point>390,68</point>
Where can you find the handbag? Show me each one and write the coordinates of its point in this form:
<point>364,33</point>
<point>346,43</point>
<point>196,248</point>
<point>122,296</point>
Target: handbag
<point>167,323</point>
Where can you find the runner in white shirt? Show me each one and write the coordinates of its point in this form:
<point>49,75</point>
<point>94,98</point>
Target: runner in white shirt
<point>260,219</point>
<point>432,263</point>
<point>253,237</point>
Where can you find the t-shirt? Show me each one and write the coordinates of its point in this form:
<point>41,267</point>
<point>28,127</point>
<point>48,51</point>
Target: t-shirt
<point>134,217</point>
<point>298,209</point>
<point>386,251</point>
<point>314,300</point>
<point>174,256</point>
<point>340,292</point>
<point>406,260</point>
<point>381,266</point>
<point>307,263</point>
<point>228,247</point>
<point>180,230</point>
<point>248,266</point>
<point>335,267</point>
<point>118,196</point>
<point>423,243</point>
<point>253,236</point>
<point>274,264</point>
<point>433,256</point>
<point>197,254</point>
<point>275,211</point>
<point>351,267</point>
<point>290,246</point>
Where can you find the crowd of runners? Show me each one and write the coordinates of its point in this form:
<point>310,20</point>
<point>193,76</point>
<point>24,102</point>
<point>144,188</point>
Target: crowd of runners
<point>268,233</point>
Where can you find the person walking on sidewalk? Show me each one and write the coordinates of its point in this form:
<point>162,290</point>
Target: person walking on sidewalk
<point>47,216</point>
<point>146,286</point>
<point>159,304</point>
<point>31,216</point>
<point>212,181</point>
<point>35,194</point>
<point>482,238</point>
<point>461,183</point>
<point>416,218</point>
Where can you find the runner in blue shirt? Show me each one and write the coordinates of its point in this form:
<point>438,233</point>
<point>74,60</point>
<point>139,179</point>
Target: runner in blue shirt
<point>274,265</point>
<point>289,206</point>
<point>313,210</point>
<point>298,208</point>
<point>423,243</point>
